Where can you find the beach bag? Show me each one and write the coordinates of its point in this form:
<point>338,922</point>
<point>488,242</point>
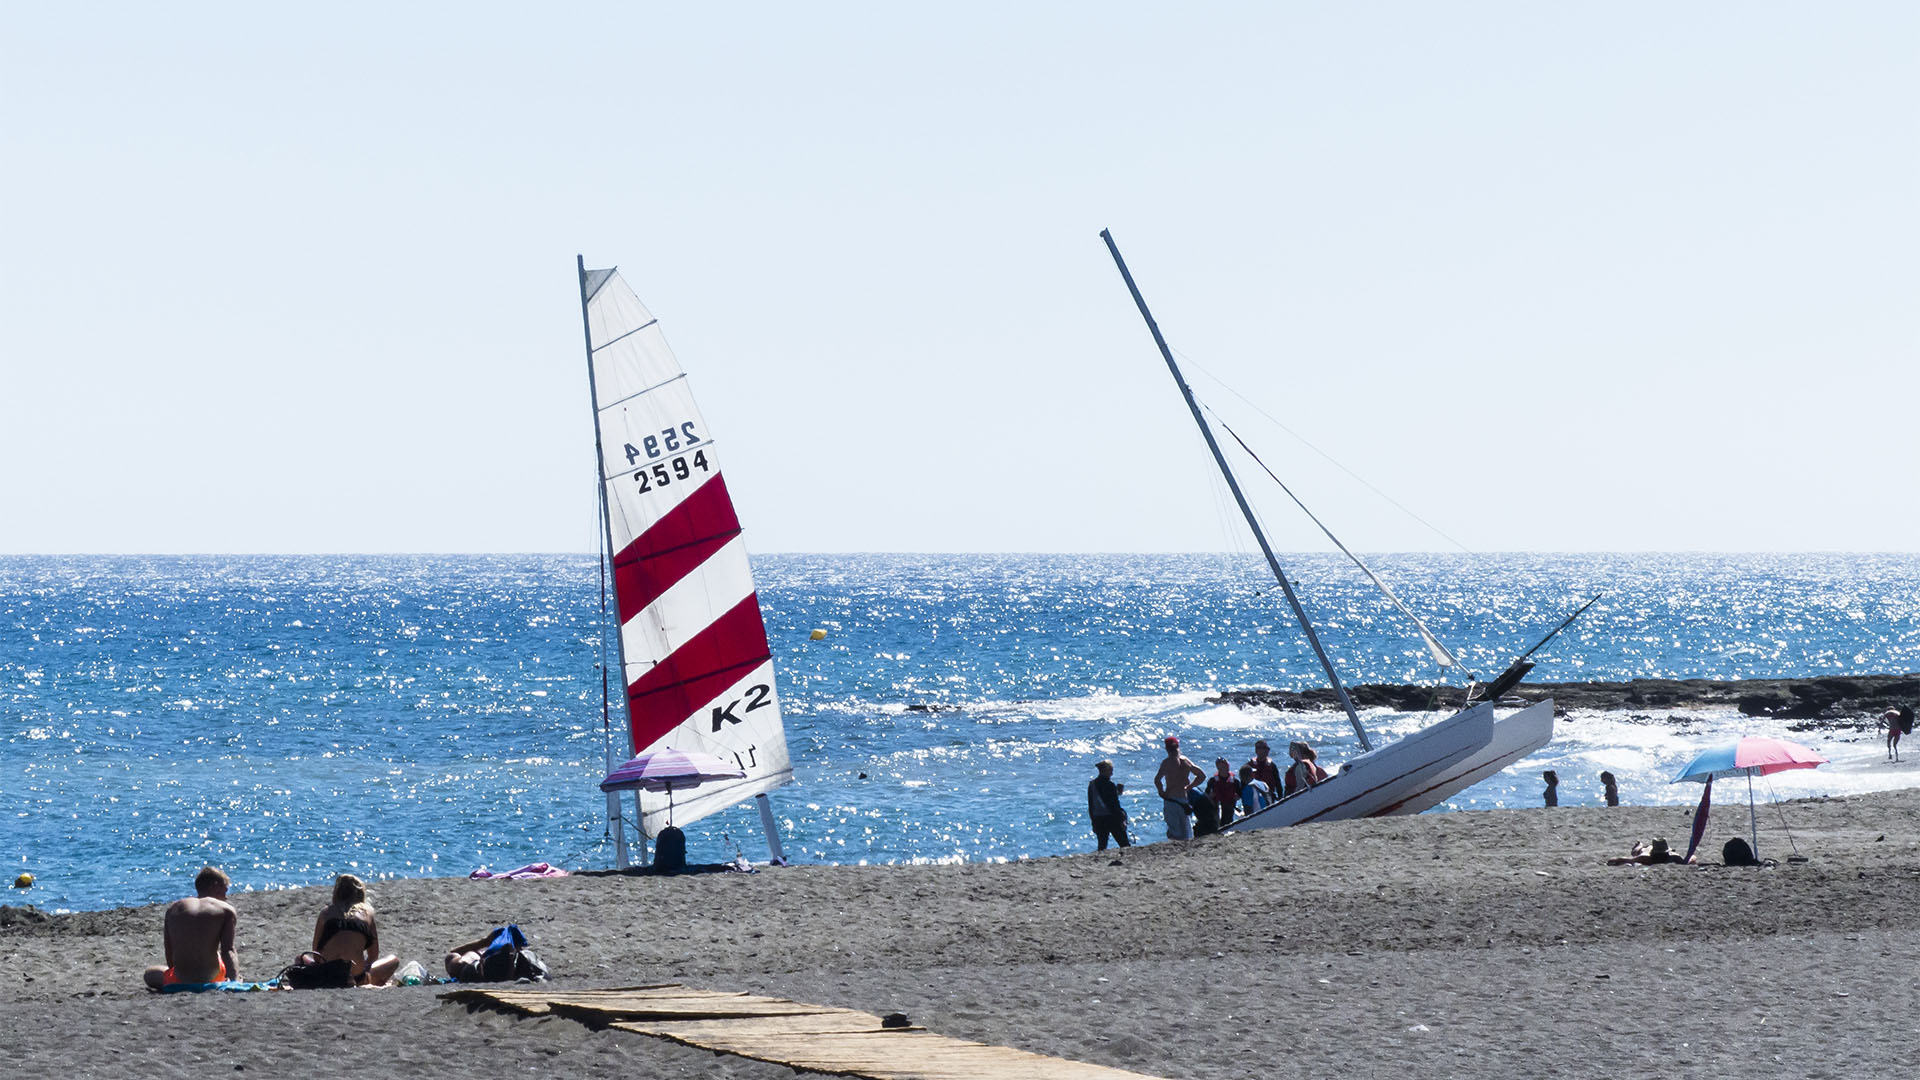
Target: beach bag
<point>312,972</point>
<point>500,961</point>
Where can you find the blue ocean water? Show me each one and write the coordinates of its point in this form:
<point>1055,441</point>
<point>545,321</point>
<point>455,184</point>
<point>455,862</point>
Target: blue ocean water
<point>293,717</point>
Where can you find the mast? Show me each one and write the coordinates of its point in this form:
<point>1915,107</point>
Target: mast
<point>1234,486</point>
<point>606,553</point>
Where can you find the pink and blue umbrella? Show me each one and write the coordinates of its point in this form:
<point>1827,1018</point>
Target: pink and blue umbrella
<point>1751,755</point>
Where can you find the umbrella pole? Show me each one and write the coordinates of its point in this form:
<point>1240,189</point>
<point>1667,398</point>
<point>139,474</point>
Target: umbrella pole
<point>640,826</point>
<point>1753,815</point>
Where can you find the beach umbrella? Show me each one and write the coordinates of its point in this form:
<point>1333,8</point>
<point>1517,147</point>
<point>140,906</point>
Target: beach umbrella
<point>1752,755</point>
<point>664,768</point>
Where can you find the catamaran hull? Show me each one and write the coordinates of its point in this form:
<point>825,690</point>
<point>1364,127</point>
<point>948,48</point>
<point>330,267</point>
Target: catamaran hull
<point>1514,737</point>
<point>1376,783</point>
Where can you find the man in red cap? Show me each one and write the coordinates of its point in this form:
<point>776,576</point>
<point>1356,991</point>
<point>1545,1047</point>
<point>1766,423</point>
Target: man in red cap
<point>1175,780</point>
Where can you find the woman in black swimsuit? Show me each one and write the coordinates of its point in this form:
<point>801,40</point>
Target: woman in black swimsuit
<point>346,930</point>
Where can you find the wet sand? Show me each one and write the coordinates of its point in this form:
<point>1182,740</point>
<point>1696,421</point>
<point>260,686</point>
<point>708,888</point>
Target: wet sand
<point>1494,943</point>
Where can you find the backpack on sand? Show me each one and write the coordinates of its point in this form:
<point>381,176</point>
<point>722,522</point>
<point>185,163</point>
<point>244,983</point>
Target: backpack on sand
<point>310,972</point>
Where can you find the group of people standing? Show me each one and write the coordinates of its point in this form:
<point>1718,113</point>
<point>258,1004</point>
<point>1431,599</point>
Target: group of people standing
<point>1196,804</point>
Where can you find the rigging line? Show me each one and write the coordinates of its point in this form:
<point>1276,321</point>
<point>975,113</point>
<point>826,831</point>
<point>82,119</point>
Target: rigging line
<point>645,390</point>
<point>1390,500</point>
<point>628,334</point>
<point>1774,797</point>
<point>1441,653</point>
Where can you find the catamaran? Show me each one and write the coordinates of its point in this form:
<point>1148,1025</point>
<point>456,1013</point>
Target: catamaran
<point>1417,772</point>
<point>685,620</point>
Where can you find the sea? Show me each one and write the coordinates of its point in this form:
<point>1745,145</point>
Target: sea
<point>290,718</point>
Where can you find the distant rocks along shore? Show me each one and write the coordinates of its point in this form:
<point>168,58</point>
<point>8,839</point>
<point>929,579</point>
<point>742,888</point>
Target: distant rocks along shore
<point>1837,701</point>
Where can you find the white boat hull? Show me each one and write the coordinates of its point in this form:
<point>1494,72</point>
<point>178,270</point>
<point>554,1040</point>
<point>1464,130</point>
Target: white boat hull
<point>1514,737</point>
<point>1379,782</point>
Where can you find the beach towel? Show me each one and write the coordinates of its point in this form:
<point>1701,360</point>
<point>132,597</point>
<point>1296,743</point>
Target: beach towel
<point>531,870</point>
<point>231,987</point>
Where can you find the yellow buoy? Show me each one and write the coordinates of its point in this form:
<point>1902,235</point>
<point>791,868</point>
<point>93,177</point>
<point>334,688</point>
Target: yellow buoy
<point>24,881</point>
<point>817,635</point>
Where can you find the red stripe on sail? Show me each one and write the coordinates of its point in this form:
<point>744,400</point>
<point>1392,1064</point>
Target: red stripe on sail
<point>697,672</point>
<point>674,546</point>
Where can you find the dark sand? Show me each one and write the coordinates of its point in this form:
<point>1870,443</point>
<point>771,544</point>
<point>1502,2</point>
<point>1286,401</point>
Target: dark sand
<point>1491,943</point>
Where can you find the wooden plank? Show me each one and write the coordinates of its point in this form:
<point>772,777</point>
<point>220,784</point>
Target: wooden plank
<point>813,1023</point>
<point>815,1038</point>
<point>656,1007</point>
<point>913,1054</point>
<point>536,1002</point>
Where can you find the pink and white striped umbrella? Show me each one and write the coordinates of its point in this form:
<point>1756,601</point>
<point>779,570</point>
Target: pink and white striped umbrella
<point>664,769</point>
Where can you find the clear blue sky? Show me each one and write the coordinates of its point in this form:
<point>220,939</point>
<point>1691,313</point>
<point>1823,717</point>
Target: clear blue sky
<point>1615,277</point>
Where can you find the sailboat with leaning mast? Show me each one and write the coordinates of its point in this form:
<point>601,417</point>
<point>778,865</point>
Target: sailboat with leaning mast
<point>1421,770</point>
<point>691,646</point>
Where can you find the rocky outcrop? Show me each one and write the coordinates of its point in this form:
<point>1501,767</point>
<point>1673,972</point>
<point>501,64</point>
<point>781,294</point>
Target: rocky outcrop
<point>1837,700</point>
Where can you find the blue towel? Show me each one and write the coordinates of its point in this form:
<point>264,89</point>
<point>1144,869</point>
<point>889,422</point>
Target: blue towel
<point>507,935</point>
<point>234,987</point>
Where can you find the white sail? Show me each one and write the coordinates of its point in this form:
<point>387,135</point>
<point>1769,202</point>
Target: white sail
<point>693,646</point>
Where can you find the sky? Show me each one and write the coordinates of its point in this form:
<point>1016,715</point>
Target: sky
<point>1483,276</point>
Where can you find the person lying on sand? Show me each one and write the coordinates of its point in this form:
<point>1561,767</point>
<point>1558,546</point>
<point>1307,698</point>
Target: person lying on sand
<point>1649,855</point>
<point>197,933</point>
<point>499,955</point>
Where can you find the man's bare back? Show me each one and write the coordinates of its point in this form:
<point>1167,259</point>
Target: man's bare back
<point>198,933</point>
<point>1176,777</point>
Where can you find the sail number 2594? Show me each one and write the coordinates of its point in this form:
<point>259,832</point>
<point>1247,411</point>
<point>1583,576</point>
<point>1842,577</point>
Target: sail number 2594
<point>663,473</point>
<point>669,441</point>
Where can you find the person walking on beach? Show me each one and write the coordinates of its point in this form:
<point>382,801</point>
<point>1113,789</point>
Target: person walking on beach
<point>1552,794</point>
<point>1175,781</point>
<point>1103,806</point>
<point>1612,788</point>
<point>1265,769</point>
<point>1896,723</point>
<point>197,933</point>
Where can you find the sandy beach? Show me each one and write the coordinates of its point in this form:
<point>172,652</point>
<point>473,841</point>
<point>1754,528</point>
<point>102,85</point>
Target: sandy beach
<point>1493,943</point>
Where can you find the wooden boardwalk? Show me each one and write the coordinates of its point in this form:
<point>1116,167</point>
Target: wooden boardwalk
<point>814,1038</point>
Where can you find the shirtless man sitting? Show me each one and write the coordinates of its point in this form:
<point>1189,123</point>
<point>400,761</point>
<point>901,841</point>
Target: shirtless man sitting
<point>1175,781</point>
<point>199,936</point>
